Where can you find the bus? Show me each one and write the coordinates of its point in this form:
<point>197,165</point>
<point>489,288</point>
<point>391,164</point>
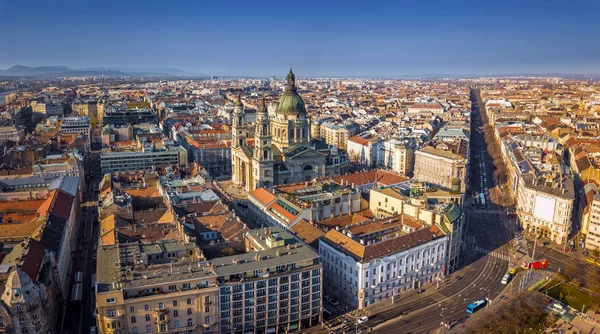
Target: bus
<point>476,306</point>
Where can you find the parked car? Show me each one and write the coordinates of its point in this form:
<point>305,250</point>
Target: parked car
<point>363,319</point>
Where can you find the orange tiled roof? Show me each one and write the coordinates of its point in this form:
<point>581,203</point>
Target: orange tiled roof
<point>263,196</point>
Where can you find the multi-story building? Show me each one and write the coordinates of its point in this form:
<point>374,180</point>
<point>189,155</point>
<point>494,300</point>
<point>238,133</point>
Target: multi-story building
<point>54,109</point>
<point>283,150</point>
<point>431,206</point>
<point>11,133</point>
<point>337,135</point>
<point>545,205</point>
<point>592,239</point>
<point>168,286</point>
<point>364,151</point>
<point>165,286</point>
<point>366,263</point>
<point>275,287</point>
<point>443,165</point>
<point>399,156</point>
<point>313,201</point>
<point>76,125</point>
<point>147,158</point>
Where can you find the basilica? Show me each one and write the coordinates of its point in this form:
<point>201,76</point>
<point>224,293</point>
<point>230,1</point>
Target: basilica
<point>283,150</point>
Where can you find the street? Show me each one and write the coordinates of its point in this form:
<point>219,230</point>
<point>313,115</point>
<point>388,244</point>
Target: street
<point>77,318</point>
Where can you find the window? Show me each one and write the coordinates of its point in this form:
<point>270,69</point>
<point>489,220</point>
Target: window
<point>176,323</point>
<point>147,317</point>
<point>207,320</point>
<point>148,328</point>
<point>131,309</point>
<point>189,311</point>
<point>112,313</point>
<point>175,313</point>
<point>21,319</point>
<point>206,299</point>
<point>19,308</point>
<point>24,331</point>
<point>190,322</point>
<point>207,308</point>
<point>163,327</point>
<point>174,303</point>
<point>146,308</point>
<point>189,301</point>
<point>133,320</point>
<point>134,330</point>
<point>161,306</point>
<point>110,300</point>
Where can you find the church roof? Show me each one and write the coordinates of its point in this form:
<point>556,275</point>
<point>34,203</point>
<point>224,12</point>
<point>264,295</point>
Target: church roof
<point>290,103</point>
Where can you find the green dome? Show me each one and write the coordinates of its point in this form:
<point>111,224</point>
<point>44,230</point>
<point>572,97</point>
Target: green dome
<point>456,181</point>
<point>290,103</point>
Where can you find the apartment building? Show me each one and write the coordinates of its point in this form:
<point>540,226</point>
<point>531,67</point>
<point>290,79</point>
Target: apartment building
<point>366,263</point>
<point>169,286</point>
<point>545,205</point>
<point>144,159</point>
<point>337,135</point>
<point>159,287</point>
<point>443,165</point>
<point>273,288</point>
<point>399,156</point>
<point>76,125</point>
<point>364,151</point>
<point>434,207</point>
<point>11,133</point>
<point>592,239</point>
<point>54,109</point>
<point>287,205</point>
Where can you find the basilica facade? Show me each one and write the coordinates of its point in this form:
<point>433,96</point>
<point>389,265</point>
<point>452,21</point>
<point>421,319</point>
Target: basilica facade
<point>283,150</point>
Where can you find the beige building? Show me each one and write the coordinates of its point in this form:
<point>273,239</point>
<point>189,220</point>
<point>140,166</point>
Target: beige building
<point>283,150</point>
<point>337,135</point>
<point>163,287</point>
<point>592,240</point>
<point>441,167</point>
<point>399,156</point>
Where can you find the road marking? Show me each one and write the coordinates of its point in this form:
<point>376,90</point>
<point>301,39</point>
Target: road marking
<point>492,253</point>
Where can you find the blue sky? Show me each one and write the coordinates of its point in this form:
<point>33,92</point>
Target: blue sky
<point>354,38</point>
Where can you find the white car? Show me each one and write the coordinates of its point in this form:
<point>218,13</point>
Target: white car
<point>506,279</point>
<point>362,319</point>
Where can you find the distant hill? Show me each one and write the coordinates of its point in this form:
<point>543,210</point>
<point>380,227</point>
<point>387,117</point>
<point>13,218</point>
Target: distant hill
<point>60,71</point>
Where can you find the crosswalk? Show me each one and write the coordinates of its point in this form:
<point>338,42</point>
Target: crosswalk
<point>493,253</point>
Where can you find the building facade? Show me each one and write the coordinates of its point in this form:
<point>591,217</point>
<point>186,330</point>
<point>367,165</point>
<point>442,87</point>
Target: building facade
<point>284,151</point>
<point>440,167</point>
<point>399,156</point>
<point>142,160</point>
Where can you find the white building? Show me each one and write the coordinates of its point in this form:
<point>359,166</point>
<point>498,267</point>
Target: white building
<point>363,270</point>
<point>78,125</point>
<point>545,205</point>
<point>11,133</point>
<point>363,151</point>
<point>143,160</point>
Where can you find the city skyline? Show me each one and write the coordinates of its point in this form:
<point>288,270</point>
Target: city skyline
<point>329,39</point>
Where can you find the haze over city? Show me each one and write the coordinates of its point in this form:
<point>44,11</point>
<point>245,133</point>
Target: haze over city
<point>321,38</point>
<point>311,167</point>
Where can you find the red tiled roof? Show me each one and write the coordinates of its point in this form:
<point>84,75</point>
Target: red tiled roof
<point>33,259</point>
<point>62,206</point>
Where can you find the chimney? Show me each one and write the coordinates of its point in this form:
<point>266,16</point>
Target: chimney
<point>257,257</point>
<point>362,241</point>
